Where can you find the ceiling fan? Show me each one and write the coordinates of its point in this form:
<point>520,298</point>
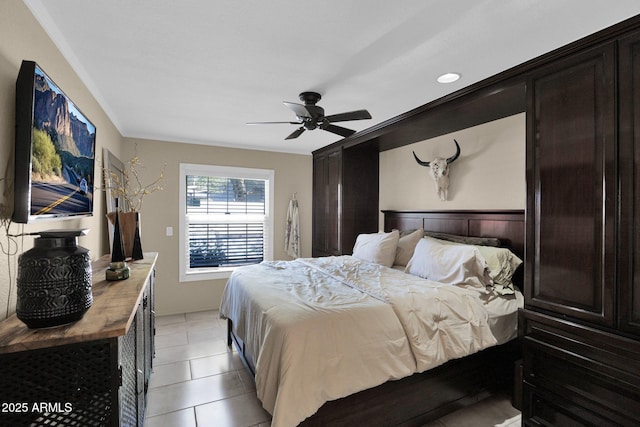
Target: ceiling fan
<point>311,116</point>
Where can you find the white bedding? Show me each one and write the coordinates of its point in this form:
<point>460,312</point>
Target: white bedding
<point>323,328</point>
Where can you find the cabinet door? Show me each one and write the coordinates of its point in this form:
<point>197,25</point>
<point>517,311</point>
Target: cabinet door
<point>360,184</point>
<point>141,359</point>
<point>327,209</point>
<point>571,180</point>
<point>127,393</point>
<point>334,205</point>
<point>149,328</point>
<point>319,243</point>
<point>629,140</point>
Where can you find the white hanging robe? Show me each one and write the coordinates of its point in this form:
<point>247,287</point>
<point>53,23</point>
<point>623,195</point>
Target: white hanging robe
<point>292,232</point>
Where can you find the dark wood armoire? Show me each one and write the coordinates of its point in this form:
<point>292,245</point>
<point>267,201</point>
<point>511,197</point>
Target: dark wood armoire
<point>581,323</point>
<point>345,196</point>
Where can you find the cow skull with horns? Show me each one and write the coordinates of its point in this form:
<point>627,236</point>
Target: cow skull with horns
<point>439,171</point>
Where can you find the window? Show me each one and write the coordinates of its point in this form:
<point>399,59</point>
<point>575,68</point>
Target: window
<point>225,219</point>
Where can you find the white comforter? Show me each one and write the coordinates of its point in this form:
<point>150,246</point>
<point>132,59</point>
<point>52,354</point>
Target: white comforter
<point>323,328</point>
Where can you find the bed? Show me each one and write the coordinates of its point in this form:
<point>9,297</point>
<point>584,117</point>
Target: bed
<point>342,341</point>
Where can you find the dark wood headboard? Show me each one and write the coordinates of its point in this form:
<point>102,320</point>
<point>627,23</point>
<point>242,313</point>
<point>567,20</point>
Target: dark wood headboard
<point>508,225</point>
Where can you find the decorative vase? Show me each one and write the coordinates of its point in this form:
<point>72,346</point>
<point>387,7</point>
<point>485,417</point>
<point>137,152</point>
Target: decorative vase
<point>54,280</point>
<point>127,222</point>
<point>136,251</point>
<point>117,251</point>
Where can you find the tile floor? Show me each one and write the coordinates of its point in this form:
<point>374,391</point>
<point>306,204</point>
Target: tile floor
<point>197,381</point>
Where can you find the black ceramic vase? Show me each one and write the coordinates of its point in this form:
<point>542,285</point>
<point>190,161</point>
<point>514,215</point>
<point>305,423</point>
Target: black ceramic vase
<point>137,253</point>
<point>117,252</point>
<point>54,280</point>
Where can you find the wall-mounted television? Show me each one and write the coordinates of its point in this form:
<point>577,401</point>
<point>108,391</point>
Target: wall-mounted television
<point>55,149</point>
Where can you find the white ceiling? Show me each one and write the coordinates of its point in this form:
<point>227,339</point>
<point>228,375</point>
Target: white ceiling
<point>196,71</point>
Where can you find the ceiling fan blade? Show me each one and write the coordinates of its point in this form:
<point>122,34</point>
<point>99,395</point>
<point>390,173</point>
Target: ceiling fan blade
<point>299,109</point>
<point>351,115</point>
<point>273,123</point>
<point>296,133</point>
<point>338,130</point>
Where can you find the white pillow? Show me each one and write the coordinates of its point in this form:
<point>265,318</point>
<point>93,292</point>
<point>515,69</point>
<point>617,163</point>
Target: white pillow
<point>450,264</point>
<point>502,264</point>
<point>379,248</point>
<point>406,246</point>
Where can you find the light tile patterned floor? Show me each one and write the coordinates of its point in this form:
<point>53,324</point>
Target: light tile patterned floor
<point>198,381</point>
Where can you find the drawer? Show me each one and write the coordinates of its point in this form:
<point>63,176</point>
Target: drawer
<point>543,408</point>
<point>596,374</point>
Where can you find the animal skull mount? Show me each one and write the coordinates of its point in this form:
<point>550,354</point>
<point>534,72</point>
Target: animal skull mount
<point>439,171</point>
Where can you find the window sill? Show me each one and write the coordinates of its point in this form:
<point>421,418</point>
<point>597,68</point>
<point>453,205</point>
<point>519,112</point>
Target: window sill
<point>194,276</point>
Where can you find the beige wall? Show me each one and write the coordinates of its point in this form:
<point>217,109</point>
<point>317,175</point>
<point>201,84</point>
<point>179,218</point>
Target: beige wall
<point>489,174</point>
<point>293,173</point>
<point>22,37</point>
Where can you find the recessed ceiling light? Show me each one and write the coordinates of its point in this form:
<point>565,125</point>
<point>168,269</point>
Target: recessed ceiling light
<point>448,78</point>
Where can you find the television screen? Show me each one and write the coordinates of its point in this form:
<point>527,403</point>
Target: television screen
<point>54,152</point>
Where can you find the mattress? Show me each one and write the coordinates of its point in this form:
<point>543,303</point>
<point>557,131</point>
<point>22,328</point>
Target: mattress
<point>323,328</point>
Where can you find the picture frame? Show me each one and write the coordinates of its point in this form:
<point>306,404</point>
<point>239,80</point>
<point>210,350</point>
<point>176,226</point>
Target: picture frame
<point>112,167</point>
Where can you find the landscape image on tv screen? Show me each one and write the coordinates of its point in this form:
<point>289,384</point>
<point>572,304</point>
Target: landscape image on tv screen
<point>63,153</point>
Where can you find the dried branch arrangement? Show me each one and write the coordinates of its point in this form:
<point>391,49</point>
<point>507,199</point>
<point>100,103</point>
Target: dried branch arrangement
<point>130,187</point>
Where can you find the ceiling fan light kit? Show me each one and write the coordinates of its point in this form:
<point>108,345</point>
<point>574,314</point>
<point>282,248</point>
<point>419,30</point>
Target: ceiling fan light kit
<point>311,116</point>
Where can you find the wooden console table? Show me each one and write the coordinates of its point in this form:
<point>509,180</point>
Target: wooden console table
<point>93,372</point>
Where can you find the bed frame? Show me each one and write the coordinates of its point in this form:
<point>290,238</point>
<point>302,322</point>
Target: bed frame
<point>423,397</point>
